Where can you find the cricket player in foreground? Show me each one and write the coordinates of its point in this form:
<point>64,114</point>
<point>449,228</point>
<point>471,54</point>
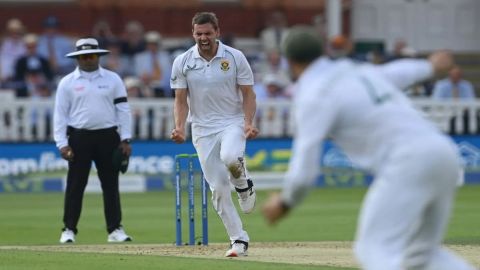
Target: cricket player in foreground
<point>416,167</point>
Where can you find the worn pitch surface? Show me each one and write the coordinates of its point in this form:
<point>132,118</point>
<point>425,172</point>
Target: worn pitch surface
<point>311,253</point>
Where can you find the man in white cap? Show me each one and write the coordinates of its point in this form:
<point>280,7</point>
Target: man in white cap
<point>153,66</point>
<point>92,122</point>
<point>12,47</point>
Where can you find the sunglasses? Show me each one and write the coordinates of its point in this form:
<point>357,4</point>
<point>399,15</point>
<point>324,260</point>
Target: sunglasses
<point>88,56</point>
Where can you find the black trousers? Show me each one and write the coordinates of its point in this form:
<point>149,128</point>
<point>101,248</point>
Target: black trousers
<point>96,146</point>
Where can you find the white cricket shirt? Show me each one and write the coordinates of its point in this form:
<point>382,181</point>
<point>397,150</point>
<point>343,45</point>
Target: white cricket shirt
<point>360,109</point>
<point>215,101</point>
<point>85,100</point>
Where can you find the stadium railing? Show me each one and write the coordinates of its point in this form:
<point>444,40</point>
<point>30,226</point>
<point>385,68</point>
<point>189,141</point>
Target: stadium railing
<point>30,120</point>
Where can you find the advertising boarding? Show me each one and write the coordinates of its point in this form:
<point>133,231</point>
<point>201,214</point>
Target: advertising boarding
<point>38,167</point>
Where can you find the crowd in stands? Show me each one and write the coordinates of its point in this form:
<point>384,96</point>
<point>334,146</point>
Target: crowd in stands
<point>32,63</point>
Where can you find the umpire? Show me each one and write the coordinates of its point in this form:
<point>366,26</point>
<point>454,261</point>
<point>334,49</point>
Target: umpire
<point>92,122</point>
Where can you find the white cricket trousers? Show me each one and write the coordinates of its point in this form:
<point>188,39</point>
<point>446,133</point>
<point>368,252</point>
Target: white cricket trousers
<point>406,210</point>
<point>216,153</point>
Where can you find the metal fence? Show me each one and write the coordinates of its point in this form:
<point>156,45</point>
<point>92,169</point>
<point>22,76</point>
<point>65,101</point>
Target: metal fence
<point>30,120</point>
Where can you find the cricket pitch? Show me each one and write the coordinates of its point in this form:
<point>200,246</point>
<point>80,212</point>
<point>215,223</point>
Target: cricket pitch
<point>338,254</point>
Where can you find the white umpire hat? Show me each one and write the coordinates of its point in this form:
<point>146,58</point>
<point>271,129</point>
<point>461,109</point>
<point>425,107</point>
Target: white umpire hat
<point>87,46</point>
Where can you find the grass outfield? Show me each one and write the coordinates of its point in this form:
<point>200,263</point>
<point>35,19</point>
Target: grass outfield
<point>326,215</point>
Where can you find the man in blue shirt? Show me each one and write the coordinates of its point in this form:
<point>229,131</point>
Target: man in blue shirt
<point>454,87</point>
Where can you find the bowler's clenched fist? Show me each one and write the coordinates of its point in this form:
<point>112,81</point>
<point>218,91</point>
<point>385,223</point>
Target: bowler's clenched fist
<point>178,135</point>
<point>251,132</point>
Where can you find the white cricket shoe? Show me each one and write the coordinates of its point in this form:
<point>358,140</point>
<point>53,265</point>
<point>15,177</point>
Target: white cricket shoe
<point>118,235</point>
<point>237,249</point>
<point>68,236</point>
<point>247,197</point>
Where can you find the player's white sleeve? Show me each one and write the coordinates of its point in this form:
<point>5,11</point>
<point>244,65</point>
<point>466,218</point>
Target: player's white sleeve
<point>177,77</point>
<point>244,72</point>
<point>61,112</point>
<point>122,109</point>
<point>406,72</point>
<point>314,117</point>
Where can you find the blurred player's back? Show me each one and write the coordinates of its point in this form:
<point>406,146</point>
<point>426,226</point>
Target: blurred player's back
<point>369,115</point>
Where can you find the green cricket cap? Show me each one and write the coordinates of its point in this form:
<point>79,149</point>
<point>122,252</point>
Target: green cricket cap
<point>302,44</point>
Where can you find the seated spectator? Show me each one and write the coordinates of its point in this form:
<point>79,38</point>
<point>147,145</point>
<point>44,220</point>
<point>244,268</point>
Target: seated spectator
<point>41,91</point>
<point>29,65</point>
<point>272,87</point>
<point>454,87</point>
<point>135,88</point>
<point>272,63</point>
<point>375,57</point>
<point>272,119</point>
<point>115,60</point>
<point>275,31</point>
<point>400,50</point>
<point>132,40</point>
<point>319,24</point>
<point>102,32</point>
<point>153,66</point>
<point>417,90</point>
<point>11,48</point>
<point>339,46</point>
<point>53,45</point>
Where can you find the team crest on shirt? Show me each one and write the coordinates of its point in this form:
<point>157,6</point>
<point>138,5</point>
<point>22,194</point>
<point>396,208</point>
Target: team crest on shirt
<point>224,65</point>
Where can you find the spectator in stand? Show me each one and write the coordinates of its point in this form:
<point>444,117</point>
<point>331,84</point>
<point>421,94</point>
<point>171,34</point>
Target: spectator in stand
<point>375,57</point>
<point>115,60</point>
<point>53,45</point>
<point>400,50</point>
<point>103,33</point>
<point>319,24</point>
<point>275,31</point>
<point>272,86</point>
<point>273,63</point>
<point>132,40</point>
<point>31,69</point>
<point>454,87</point>
<point>153,65</point>
<point>34,80</point>
<point>137,90</point>
<point>11,49</point>
<point>419,90</point>
<point>41,91</point>
<point>339,46</point>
